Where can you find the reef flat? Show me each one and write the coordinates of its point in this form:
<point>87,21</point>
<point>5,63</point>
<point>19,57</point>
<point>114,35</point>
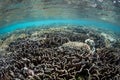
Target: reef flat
<point>61,53</point>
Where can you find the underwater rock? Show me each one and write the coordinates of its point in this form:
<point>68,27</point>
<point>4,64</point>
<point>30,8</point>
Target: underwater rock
<point>76,45</point>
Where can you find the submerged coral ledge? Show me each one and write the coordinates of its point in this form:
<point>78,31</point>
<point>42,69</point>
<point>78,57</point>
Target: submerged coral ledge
<point>62,54</point>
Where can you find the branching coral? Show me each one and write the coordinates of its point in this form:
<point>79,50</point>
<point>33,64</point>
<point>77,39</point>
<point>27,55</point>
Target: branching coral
<point>57,56</point>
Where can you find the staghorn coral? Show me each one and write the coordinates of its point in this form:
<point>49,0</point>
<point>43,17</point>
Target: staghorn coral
<point>110,55</point>
<point>50,63</point>
<point>110,58</point>
<point>54,57</point>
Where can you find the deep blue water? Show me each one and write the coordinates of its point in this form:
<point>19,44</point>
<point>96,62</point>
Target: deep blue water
<point>40,23</point>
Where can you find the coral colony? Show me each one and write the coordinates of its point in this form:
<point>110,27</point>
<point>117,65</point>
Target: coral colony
<point>61,54</point>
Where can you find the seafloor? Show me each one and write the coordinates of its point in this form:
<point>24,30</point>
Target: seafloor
<point>60,53</point>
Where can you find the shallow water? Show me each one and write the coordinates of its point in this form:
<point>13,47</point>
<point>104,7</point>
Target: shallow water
<point>82,22</point>
<point>21,14</point>
<point>59,39</point>
<point>20,10</point>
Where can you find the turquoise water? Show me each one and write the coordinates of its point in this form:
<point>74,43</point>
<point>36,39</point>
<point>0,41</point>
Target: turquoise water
<point>40,23</point>
<point>16,14</point>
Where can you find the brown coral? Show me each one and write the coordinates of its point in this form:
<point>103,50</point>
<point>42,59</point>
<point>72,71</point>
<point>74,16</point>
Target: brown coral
<point>54,58</point>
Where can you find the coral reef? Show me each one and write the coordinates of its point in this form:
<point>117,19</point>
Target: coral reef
<point>60,55</point>
<point>109,40</point>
